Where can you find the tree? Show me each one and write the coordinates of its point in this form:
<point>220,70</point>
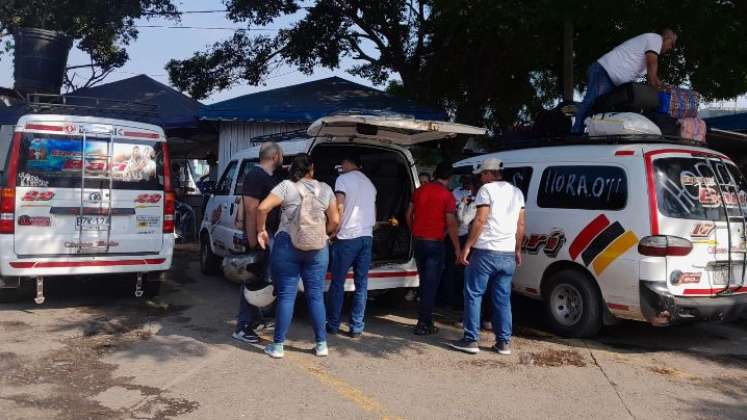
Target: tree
<point>103,28</point>
<point>491,62</point>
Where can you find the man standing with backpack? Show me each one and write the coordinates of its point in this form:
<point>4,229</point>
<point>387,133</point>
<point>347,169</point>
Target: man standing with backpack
<point>356,201</point>
<point>258,183</point>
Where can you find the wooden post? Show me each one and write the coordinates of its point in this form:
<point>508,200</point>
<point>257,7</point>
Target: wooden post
<point>568,60</point>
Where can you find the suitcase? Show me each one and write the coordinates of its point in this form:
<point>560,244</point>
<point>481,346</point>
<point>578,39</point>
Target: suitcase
<point>665,122</point>
<point>629,97</point>
<point>692,128</point>
<point>679,103</point>
<point>552,123</point>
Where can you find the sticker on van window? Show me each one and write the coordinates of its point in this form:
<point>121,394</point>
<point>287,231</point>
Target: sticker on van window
<point>28,180</point>
<point>583,187</point>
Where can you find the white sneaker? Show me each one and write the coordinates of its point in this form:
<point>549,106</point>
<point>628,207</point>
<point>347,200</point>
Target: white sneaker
<point>275,350</point>
<point>321,350</point>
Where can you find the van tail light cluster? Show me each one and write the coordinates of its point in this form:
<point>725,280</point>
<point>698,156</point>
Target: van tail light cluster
<point>169,198</point>
<point>8,192</point>
<point>664,246</point>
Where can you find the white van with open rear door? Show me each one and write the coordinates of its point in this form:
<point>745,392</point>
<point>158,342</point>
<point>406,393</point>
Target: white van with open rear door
<point>85,195</point>
<point>381,143</point>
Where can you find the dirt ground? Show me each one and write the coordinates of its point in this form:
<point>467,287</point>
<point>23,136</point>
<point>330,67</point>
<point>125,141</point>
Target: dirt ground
<point>93,351</point>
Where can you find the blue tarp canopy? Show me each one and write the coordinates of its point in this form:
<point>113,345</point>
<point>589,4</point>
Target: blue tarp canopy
<point>306,102</point>
<point>175,110</point>
<point>733,122</point>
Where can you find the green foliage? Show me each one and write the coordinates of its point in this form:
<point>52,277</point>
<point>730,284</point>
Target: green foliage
<point>491,62</point>
<point>103,28</point>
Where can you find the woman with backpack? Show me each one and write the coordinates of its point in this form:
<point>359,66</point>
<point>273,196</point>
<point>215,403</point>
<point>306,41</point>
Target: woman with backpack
<point>308,215</point>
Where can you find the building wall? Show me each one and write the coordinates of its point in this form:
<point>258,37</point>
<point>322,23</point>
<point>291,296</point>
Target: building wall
<point>235,136</point>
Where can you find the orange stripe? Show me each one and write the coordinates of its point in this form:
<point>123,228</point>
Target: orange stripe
<point>618,247</point>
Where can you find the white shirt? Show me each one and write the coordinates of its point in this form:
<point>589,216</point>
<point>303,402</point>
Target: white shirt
<point>460,193</point>
<point>506,202</point>
<point>627,62</point>
<point>465,215</point>
<point>359,209</point>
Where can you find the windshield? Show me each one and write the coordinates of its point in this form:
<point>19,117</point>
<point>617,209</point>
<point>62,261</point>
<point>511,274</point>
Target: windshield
<point>57,161</point>
<point>688,188</point>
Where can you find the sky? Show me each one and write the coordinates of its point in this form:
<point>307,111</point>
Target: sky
<point>156,46</point>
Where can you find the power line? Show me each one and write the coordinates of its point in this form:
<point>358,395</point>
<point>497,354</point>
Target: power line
<point>186,12</point>
<point>210,28</point>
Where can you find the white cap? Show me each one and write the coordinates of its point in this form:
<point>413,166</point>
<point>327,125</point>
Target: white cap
<point>491,164</point>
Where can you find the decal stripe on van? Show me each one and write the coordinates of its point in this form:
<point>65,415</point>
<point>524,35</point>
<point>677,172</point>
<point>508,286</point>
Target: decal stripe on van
<point>602,241</point>
<point>618,247</point>
<point>587,235</point>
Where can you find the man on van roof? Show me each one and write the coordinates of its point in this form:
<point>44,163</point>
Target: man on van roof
<point>431,215</point>
<point>356,201</point>
<point>625,63</point>
<point>258,183</point>
<point>496,235</point>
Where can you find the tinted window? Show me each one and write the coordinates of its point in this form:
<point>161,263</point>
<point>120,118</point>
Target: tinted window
<point>58,161</point>
<point>224,185</point>
<point>583,187</point>
<point>246,165</point>
<point>687,188</point>
<point>520,177</point>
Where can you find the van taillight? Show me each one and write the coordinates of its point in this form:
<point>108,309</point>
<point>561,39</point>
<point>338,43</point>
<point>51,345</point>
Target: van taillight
<point>169,208</point>
<point>7,210</point>
<point>664,246</point>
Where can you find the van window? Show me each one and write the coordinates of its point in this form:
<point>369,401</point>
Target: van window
<point>246,165</point>
<point>224,185</point>
<point>686,188</point>
<point>57,161</point>
<point>583,187</point>
<point>520,177</point>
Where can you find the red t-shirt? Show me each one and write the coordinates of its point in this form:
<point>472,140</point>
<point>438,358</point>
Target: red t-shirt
<point>431,203</point>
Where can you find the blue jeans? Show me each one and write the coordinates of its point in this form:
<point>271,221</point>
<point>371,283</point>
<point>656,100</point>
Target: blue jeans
<point>598,83</point>
<point>249,314</point>
<point>489,271</point>
<point>429,257</point>
<point>288,264</point>
<point>348,253</point>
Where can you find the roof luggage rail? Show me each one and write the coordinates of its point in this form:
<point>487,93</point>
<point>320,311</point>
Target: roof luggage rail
<point>280,137</point>
<point>45,103</point>
<point>596,140</point>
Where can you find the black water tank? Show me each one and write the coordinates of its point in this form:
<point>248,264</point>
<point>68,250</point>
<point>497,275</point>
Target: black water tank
<point>40,60</point>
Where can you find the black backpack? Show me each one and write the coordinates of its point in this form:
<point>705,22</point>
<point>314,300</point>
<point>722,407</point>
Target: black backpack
<point>629,97</point>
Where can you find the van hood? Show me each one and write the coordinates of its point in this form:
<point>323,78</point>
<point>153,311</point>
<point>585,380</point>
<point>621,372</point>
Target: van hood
<point>394,130</point>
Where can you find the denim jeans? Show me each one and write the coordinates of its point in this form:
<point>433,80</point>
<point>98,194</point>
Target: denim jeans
<point>598,83</point>
<point>429,257</point>
<point>288,265</point>
<point>249,314</point>
<point>490,271</point>
<point>348,253</point>
<point>452,280</point>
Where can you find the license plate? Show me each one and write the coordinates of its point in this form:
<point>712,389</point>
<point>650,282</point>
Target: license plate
<point>88,223</point>
<point>720,276</point>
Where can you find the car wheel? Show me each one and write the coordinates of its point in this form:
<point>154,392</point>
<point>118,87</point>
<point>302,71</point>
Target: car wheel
<point>573,304</point>
<point>208,260</point>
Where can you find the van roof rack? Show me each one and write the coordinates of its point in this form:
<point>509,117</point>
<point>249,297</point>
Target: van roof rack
<point>299,134</point>
<point>45,103</point>
<point>595,140</point>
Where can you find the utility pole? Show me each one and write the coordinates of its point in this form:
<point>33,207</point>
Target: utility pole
<point>567,60</point>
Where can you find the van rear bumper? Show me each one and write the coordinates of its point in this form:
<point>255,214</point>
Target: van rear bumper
<point>661,308</point>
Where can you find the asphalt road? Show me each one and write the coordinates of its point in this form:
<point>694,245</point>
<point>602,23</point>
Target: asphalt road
<point>95,352</point>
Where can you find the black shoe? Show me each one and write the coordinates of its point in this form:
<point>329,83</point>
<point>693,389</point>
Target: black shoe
<point>465,345</point>
<point>330,331</point>
<point>502,348</point>
<point>353,334</point>
<point>246,335</point>
<point>423,328</point>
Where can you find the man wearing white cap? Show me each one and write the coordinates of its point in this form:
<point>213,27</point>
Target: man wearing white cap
<point>494,243</point>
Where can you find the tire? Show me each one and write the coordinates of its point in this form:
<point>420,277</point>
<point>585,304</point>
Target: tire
<point>209,263</point>
<point>573,304</point>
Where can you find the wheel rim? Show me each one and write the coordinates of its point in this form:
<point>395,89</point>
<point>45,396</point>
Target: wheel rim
<point>566,304</point>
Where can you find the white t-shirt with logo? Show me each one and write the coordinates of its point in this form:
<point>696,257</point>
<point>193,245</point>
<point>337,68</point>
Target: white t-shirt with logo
<point>359,210</point>
<point>627,62</point>
<point>506,202</point>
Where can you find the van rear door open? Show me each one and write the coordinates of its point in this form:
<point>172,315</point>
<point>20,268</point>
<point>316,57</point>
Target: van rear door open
<point>392,130</point>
